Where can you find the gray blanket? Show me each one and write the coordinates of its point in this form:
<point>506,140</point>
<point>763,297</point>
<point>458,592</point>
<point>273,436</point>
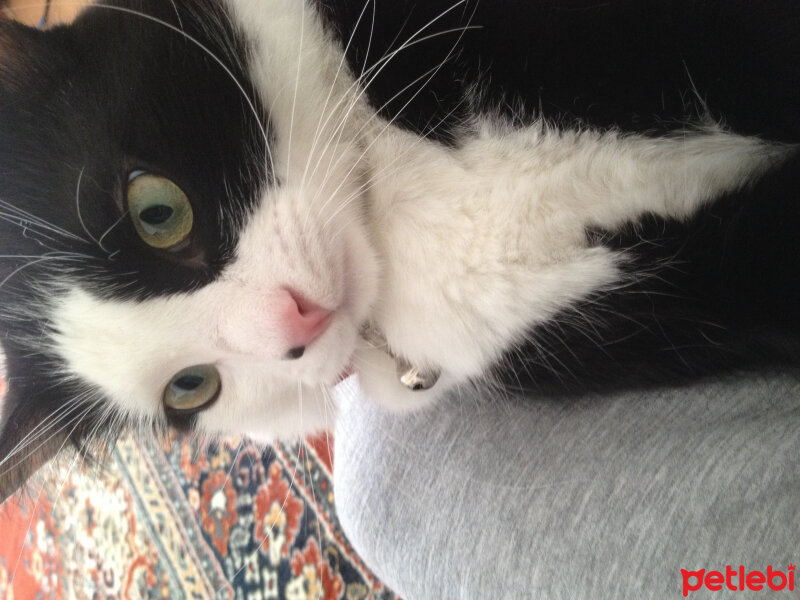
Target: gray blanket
<point>601,498</point>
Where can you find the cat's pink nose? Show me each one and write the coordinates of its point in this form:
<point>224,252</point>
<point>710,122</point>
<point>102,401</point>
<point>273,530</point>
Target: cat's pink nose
<point>304,322</point>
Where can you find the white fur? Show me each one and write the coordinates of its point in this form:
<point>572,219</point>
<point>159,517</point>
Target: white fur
<point>453,253</point>
<point>482,242</point>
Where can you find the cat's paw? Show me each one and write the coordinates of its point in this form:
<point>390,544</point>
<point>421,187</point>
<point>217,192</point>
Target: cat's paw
<point>380,382</point>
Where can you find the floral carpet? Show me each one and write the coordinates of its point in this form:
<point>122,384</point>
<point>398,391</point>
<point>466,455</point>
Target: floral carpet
<point>167,521</point>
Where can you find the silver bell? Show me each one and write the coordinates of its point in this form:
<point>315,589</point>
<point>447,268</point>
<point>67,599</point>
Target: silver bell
<point>412,377</point>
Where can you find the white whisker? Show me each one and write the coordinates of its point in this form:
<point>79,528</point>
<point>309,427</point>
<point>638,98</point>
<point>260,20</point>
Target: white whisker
<point>43,258</point>
<point>324,111</point>
<point>296,82</point>
<point>78,208</point>
<point>248,100</point>
<point>427,77</point>
<point>110,229</point>
<point>374,71</point>
<point>26,220</point>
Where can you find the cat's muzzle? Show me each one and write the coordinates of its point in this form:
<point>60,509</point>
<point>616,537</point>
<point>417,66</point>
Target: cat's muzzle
<point>414,378</point>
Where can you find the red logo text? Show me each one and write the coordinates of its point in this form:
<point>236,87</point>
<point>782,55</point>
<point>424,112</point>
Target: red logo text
<point>738,580</point>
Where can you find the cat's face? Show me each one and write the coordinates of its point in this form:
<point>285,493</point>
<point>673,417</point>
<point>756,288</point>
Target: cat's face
<point>181,230</point>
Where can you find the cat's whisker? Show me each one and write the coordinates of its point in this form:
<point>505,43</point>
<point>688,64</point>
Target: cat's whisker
<point>327,405</point>
<point>294,471</point>
<point>42,428</point>
<point>376,114</point>
<point>109,230</point>
<point>328,400</point>
<point>229,475</point>
<point>320,125</point>
<point>374,71</point>
<point>335,161</point>
<point>66,475</point>
<point>330,410</point>
<point>376,177</point>
<point>359,360</point>
<point>425,78</point>
<point>26,220</point>
<point>345,96</point>
<point>48,423</point>
<point>283,505</point>
<point>177,15</point>
<point>43,258</point>
<point>296,82</point>
<point>34,512</point>
<point>74,421</point>
<point>110,427</point>
<point>304,447</point>
<point>105,421</point>
<point>78,454</point>
<point>378,68</point>
<point>27,256</point>
<point>248,100</point>
<point>28,231</point>
<point>254,552</point>
<point>78,209</point>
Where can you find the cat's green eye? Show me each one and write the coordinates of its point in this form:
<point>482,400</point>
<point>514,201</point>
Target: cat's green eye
<point>192,389</point>
<point>161,212</point>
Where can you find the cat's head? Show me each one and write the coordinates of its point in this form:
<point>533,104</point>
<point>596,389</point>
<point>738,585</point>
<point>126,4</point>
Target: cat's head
<point>181,232</point>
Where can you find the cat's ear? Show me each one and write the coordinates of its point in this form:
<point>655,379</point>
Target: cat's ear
<point>17,40</point>
<point>26,441</point>
<point>29,57</point>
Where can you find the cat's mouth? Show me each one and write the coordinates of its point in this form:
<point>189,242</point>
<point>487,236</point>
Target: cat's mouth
<point>347,372</point>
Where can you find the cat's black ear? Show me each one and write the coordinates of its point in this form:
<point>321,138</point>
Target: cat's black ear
<point>28,439</point>
<point>29,57</point>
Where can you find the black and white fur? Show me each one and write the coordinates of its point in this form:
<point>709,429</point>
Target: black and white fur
<point>558,195</point>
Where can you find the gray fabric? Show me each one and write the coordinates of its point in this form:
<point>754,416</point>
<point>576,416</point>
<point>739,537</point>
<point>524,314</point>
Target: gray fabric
<point>604,498</point>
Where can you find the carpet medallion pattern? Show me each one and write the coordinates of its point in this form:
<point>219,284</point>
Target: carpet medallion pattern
<point>169,521</point>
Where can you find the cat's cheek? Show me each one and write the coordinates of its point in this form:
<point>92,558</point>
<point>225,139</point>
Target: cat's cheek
<point>330,357</point>
<point>267,409</point>
<point>362,272</point>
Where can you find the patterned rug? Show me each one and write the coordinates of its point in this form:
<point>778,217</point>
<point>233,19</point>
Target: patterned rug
<point>173,522</point>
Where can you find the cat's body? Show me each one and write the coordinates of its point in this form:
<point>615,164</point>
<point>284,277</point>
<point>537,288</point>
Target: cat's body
<point>556,195</point>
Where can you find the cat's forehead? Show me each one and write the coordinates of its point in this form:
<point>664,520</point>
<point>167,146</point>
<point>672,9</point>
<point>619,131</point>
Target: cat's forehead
<point>161,89</point>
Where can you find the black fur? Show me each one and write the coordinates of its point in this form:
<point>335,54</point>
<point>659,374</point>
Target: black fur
<point>639,66</point>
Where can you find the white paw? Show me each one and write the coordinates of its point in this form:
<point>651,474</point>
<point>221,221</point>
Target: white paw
<point>380,383</point>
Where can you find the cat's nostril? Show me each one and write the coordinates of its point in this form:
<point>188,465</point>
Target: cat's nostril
<point>304,322</point>
<point>295,353</point>
<point>305,307</point>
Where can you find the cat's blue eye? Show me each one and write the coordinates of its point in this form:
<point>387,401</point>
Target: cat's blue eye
<point>161,213</point>
<point>192,389</point>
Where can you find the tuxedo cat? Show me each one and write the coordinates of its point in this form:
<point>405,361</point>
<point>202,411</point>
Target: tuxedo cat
<point>213,210</point>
